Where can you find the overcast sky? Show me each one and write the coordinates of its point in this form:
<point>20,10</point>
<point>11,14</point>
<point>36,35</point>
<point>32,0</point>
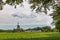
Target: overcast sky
<point>24,15</point>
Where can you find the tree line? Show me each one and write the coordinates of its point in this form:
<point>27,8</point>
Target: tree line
<point>42,29</point>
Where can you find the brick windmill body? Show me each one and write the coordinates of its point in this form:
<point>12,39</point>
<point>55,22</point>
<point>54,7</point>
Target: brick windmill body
<point>18,27</point>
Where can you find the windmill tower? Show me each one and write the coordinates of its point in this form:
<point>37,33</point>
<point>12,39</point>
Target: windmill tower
<point>18,27</point>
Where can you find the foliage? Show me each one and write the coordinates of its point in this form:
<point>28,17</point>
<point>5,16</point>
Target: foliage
<point>14,30</point>
<point>43,29</point>
<point>46,29</point>
<point>10,2</point>
<point>42,4</point>
<point>54,30</point>
<point>56,16</point>
<point>56,13</point>
<point>58,25</point>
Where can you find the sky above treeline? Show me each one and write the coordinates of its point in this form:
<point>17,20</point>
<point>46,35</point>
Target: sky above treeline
<point>10,16</point>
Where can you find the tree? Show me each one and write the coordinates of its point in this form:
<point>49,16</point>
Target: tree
<point>42,4</point>
<point>46,28</point>
<point>43,29</point>
<point>58,25</point>
<point>14,2</point>
<point>56,16</point>
<point>10,2</point>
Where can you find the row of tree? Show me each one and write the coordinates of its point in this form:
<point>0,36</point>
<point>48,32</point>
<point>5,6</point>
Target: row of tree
<point>14,30</point>
<point>44,29</point>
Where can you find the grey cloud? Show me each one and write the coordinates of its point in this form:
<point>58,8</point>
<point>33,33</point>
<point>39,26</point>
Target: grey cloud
<point>24,16</point>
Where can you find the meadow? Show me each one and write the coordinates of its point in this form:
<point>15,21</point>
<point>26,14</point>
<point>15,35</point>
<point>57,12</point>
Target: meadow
<point>30,36</point>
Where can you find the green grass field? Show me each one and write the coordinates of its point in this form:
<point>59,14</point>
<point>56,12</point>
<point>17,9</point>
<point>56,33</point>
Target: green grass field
<point>30,36</point>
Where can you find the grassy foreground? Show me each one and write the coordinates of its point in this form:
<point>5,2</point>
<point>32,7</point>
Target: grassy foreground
<point>30,36</point>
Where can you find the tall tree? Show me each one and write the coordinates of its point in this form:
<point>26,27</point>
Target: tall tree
<point>56,16</point>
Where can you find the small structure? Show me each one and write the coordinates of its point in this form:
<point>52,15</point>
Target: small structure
<point>18,27</point>
<point>33,31</point>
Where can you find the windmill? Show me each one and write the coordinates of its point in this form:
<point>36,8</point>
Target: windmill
<point>18,27</point>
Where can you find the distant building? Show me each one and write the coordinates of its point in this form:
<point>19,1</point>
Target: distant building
<point>33,31</point>
<point>18,27</point>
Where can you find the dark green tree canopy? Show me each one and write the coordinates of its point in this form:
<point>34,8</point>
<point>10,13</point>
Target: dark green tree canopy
<point>13,2</point>
<point>56,13</point>
<point>10,2</point>
<point>39,3</point>
<point>56,16</point>
<point>45,4</point>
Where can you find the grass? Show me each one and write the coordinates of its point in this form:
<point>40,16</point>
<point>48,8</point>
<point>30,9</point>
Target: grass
<point>30,36</point>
